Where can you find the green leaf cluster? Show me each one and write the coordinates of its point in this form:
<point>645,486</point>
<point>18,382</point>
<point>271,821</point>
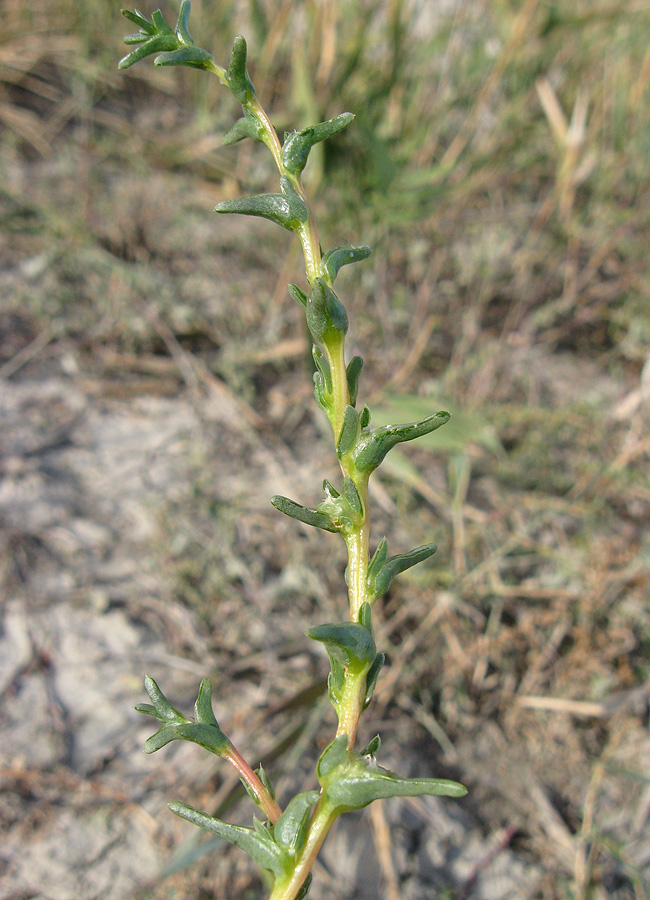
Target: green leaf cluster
<point>203,730</point>
<point>174,46</point>
<point>273,847</point>
<point>383,568</point>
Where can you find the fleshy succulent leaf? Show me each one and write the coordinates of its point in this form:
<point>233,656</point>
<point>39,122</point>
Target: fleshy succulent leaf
<point>353,371</point>
<point>203,712</point>
<point>141,21</point>
<point>365,617</point>
<point>298,144</point>
<point>237,74</point>
<point>266,781</point>
<point>303,513</point>
<point>326,315</point>
<point>204,731</point>
<point>146,709</point>
<point>372,676</point>
<point>349,431</point>
<point>372,748</point>
<point>364,782</point>
<point>184,56</point>
<point>349,644</point>
<point>137,38</point>
<point>182,25</point>
<point>304,890</point>
<point>373,447</point>
<point>289,830</point>
<point>298,295</point>
<point>160,24</point>
<point>164,711</point>
<point>377,560</point>
<point>352,496</point>
<point>332,756</point>
<point>323,366</point>
<point>157,44</point>
<point>335,259</point>
<point>286,209</point>
<point>263,849</point>
<point>380,577</point>
<point>246,127</point>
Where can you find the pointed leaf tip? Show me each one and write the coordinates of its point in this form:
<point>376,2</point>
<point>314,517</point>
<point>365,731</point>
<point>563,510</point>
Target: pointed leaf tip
<point>297,145</point>
<point>373,447</point>
<point>203,711</point>
<point>237,74</point>
<point>335,259</point>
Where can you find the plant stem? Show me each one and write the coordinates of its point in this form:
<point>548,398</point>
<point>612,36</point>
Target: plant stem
<point>268,804</point>
<point>321,822</point>
<point>358,551</point>
<point>357,541</point>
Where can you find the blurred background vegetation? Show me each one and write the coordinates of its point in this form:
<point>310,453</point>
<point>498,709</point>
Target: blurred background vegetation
<point>498,166</point>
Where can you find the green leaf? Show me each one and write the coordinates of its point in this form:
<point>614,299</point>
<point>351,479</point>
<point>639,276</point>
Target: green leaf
<point>463,431</point>
<point>326,315</point>
<point>286,209</point>
<point>372,448</point>
<point>377,561</point>
<point>203,712</point>
<point>237,74</point>
<point>289,830</point>
<point>246,127</point>
<point>349,644</point>
<point>182,25</point>
<point>297,145</point>
<point>135,38</point>
<point>364,417</point>
<point>332,756</point>
<point>298,295</point>
<point>185,56</point>
<point>160,24</point>
<point>323,366</point>
<point>330,490</point>
<point>373,747</point>
<point>205,731</point>
<point>349,431</point>
<point>353,371</point>
<point>138,19</point>
<point>335,259</point>
<point>364,782</point>
<point>352,496</point>
<point>164,711</point>
<point>157,44</point>
<point>209,737</point>
<point>163,736</point>
<point>303,514</point>
<point>304,890</point>
<point>365,617</point>
<point>379,578</point>
<point>371,677</point>
<point>264,778</point>
<point>264,850</point>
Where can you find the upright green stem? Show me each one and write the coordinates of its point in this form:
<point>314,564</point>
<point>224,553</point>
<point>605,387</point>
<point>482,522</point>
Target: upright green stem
<point>321,822</point>
<point>357,541</point>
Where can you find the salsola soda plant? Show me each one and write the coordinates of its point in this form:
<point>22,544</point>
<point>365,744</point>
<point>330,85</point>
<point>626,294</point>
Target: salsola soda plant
<point>286,841</point>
